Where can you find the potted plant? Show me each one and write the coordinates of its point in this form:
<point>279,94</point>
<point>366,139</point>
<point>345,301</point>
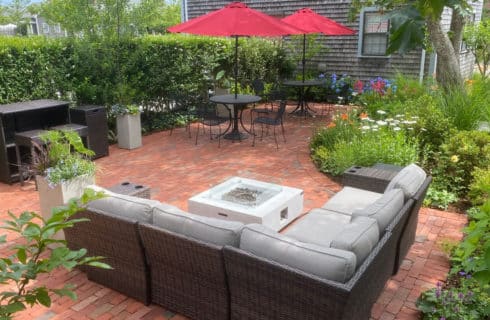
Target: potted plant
<point>128,125</point>
<point>64,169</point>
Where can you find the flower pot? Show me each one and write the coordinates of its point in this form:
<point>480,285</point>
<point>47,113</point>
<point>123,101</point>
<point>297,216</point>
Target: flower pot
<point>58,195</point>
<point>129,131</point>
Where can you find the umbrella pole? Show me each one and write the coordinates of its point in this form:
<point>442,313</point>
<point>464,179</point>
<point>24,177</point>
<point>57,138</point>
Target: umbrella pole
<point>236,67</point>
<point>304,55</point>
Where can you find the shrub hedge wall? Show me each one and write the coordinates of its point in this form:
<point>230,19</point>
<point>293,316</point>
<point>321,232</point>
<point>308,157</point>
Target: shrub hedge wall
<point>136,70</point>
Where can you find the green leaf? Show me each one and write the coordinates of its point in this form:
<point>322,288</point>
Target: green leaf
<point>13,307</point>
<point>65,292</point>
<point>482,276</point>
<point>43,297</point>
<point>99,265</point>
<point>21,254</point>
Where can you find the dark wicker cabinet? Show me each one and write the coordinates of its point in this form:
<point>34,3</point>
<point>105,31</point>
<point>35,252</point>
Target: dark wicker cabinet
<point>24,116</point>
<point>95,118</point>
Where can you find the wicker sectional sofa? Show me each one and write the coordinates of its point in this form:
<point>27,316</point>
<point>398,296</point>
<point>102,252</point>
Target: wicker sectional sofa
<point>332,262</point>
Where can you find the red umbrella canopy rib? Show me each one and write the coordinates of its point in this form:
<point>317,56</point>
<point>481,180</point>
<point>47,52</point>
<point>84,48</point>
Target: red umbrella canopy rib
<point>311,22</point>
<point>236,19</point>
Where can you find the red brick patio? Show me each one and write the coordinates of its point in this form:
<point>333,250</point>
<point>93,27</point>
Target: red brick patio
<point>176,169</point>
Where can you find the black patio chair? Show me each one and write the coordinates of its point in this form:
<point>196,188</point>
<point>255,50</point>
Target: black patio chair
<point>273,119</point>
<point>207,115</point>
<point>184,104</point>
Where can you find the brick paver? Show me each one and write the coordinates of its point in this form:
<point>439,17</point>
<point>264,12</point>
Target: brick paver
<point>176,169</point>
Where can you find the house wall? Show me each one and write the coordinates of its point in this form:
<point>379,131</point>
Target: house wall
<point>341,54</point>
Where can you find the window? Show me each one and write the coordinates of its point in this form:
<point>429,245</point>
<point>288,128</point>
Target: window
<point>45,28</point>
<point>373,35</point>
<point>469,20</point>
<point>57,28</point>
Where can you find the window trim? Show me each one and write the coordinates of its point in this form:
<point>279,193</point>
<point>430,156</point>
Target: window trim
<point>360,41</point>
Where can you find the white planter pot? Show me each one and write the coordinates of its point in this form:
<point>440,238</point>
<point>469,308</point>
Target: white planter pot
<point>129,131</point>
<point>51,197</point>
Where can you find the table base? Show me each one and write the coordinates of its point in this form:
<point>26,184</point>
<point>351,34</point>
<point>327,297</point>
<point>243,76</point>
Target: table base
<point>236,135</point>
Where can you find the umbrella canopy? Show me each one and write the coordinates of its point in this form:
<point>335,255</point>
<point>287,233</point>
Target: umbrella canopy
<point>236,19</point>
<point>311,22</point>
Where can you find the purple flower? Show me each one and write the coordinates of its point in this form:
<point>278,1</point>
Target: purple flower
<point>460,296</point>
<point>462,273</point>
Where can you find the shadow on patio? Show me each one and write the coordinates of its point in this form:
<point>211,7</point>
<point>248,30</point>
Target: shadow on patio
<point>176,169</point>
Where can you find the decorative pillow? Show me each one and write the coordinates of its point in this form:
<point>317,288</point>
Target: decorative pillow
<point>383,209</point>
<point>215,231</point>
<point>327,263</point>
<point>122,205</point>
<point>360,237</point>
<point>409,179</point>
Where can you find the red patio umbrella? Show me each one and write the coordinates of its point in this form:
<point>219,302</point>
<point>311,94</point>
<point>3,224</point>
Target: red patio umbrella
<point>311,22</point>
<point>236,19</point>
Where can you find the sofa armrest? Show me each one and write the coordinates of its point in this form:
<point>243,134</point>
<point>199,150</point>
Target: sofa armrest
<point>374,178</point>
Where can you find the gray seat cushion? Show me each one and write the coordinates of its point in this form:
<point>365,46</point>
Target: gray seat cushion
<point>336,230</point>
<point>350,199</point>
<point>384,209</point>
<point>215,231</point>
<point>360,237</point>
<point>122,205</point>
<point>327,263</point>
<point>409,179</point>
<point>319,226</point>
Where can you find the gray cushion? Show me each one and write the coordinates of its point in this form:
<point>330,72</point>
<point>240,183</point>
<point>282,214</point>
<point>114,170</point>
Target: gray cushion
<point>328,263</point>
<point>360,237</point>
<point>384,209</point>
<point>350,199</point>
<point>319,226</point>
<point>409,179</point>
<point>215,231</point>
<point>122,205</point>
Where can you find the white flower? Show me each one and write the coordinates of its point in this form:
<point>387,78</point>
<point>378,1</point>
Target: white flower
<point>396,121</point>
<point>365,127</point>
<point>399,116</point>
<point>365,119</point>
<point>381,112</point>
<point>396,129</point>
<point>389,119</point>
<point>381,123</point>
<point>375,127</point>
<point>371,120</point>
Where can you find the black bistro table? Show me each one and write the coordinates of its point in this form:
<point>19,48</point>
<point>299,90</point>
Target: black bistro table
<point>303,88</point>
<point>238,103</point>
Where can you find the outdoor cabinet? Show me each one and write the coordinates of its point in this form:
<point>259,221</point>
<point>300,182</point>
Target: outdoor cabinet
<point>95,118</point>
<point>24,116</point>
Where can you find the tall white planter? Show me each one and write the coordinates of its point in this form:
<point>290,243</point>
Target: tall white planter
<point>55,196</point>
<point>129,131</point>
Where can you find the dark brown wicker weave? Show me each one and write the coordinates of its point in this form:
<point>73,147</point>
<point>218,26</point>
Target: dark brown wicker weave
<point>407,236</point>
<point>187,276</point>
<point>117,239</point>
<point>263,289</point>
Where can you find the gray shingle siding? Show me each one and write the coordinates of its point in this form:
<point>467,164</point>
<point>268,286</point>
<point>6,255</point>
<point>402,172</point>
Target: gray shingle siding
<point>342,55</point>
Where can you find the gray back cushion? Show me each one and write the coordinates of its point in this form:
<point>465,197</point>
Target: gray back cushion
<point>384,209</point>
<point>360,236</point>
<point>215,231</point>
<point>327,263</point>
<point>409,179</point>
<point>121,205</point>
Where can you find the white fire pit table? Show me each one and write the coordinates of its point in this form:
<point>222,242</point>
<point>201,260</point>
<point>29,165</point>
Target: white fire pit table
<point>249,201</point>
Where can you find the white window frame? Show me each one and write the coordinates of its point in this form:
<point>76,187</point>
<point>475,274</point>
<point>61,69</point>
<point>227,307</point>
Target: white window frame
<point>360,54</point>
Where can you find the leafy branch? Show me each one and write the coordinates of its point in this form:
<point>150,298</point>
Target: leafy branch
<point>32,257</point>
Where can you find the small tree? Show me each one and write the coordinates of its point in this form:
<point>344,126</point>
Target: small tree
<point>32,257</point>
<point>477,38</point>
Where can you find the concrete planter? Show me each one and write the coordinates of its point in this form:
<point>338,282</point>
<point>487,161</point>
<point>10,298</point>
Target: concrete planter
<point>50,197</point>
<point>129,131</point>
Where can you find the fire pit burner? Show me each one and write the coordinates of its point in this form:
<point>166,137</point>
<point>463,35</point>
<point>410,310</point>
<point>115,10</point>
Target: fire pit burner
<point>242,195</point>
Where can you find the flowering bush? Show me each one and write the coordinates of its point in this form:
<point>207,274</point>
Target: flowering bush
<point>466,301</point>
<point>358,140</point>
<point>339,88</point>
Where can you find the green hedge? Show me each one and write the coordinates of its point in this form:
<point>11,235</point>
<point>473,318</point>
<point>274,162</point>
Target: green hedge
<point>142,69</point>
